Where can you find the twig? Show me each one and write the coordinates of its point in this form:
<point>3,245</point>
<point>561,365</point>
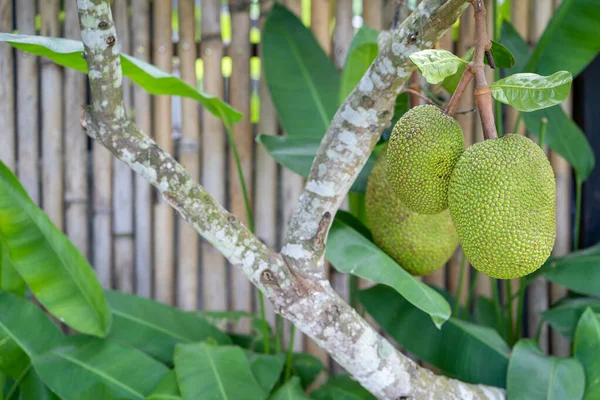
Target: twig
<point>465,111</point>
<point>420,95</point>
<point>464,82</point>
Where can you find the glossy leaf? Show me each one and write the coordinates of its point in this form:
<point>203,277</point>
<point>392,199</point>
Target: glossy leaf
<point>570,41</point>
<point>297,154</point>
<point>351,252</point>
<point>485,313</point>
<point>586,349</point>
<point>469,352</point>
<point>532,375</point>
<point>341,387</point>
<point>303,81</point>
<point>436,65</point>
<point>563,316</point>
<point>205,371</point>
<point>531,92</point>
<point>502,56</point>
<point>32,387</point>
<point>126,372</point>
<point>266,369</point>
<point>292,390</point>
<point>58,275</point>
<point>156,328</point>
<point>362,52</point>
<point>68,53</point>
<point>578,271</point>
<point>167,388</point>
<point>513,42</point>
<point>24,331</point>
<point>307,367</point>
<point>451,82</point>
<point>10,280</point>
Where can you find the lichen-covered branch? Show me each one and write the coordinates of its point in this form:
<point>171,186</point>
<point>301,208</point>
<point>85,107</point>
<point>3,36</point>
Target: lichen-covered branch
<point>310,304</point>
<point>357,125</point>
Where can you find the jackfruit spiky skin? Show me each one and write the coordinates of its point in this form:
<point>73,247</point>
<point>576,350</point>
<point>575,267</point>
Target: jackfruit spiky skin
<point>502,200</point>
<point>424,146</point>
<point>420,243</point>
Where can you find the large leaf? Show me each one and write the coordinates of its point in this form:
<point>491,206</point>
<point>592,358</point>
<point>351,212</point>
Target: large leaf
<point>32,387</point>
<point>586,349</point>
<point>167,388</point>
<point>10,280</point>
<point>534,376</point>
<point>81,362</point>
<point>578,271</point>
<point>156,328</point>
<point>292,390</point>
<point>513,41</point>
<point>68,53</point>
<point>307,367</point>
<point>297,154</point>
<point>205,371</point>
<point>531,92</point>
<point>341,387</point>
<point>502,56</point>
<point>436,65</point>
<point>351,252</point>
<point>571,39</point>
<point>58,275</point>
<point>266,369</point>
<point>24,331</point>
<point>362,52</point>
<point>562,134</point>
<point>563,316</point>
<point>462,349</point>
<point>303,81</point>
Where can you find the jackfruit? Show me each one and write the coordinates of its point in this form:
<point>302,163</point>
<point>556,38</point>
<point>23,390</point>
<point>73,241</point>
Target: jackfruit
<point>424,146</point>
<point>420,243</point>
<point>502,199</point>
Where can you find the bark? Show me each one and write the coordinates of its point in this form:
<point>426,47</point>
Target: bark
<point>293,281</point>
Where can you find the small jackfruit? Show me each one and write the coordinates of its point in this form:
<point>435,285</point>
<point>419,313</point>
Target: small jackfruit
<point>420,243</point>
<point>424,146</point>
<point>502,200</point>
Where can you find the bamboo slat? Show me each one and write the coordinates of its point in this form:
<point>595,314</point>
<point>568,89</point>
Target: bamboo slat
<point>520,19</point>
<point>294,6</point>
<point>373,14</point>
<point>123,197</point>
<point>163,213</point>
<point>189,154</point>
<point>320,21</point>
<point>214,278</point>
<point>343,32</point>
<point>140,20</point>
<point>27,106</point>
<point>7,93</point>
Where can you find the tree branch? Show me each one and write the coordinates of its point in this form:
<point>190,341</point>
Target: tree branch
<point>310,304</point>
<point>357,125</point>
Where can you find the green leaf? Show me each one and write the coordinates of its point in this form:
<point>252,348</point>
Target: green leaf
<point>128,373</point>
<point>563,316</point>
<point>502,56</point>
<point>531,92</point>
<point>297,153</point>
<point>10,280</point>
<point>58,275</point>
<point>571,39</point>
<point>469,352</point>
<point>303,81</point>
<point>485,313</point>
<point>534,376</point>
<point>307,367</point>
<point>68,53</point>
<point>33,388</point>
<point>363,50</point>
<point>205,371</point>
<point>586,348</point>
<point>167,388</point>
<point>24,331</point>
<point>450,83</point>
<point>436,65</point>
<point>352,253</point>
<point>156,328</point>
<point>514,43</point>
<point>292,390</point>
<point>266,369</point>
<point>341,387</point>
<point>577,271</point>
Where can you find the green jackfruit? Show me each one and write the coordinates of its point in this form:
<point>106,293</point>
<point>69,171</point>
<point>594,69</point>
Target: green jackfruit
<point>424,146</point>
<point>420,243</point>
<point>502,199</point>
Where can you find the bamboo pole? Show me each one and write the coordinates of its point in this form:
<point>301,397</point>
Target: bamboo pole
<point>189,154</point>
<point>123,230</point>
<point>214,279</point>
<point>140,20</point>
<point>27,106</point>
<point>373,14</point>
<point>320,20</point>
<point>7,93</point>
<point>163,214</point>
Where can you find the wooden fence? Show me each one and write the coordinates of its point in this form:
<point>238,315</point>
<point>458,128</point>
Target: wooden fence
<point>134,240</point>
